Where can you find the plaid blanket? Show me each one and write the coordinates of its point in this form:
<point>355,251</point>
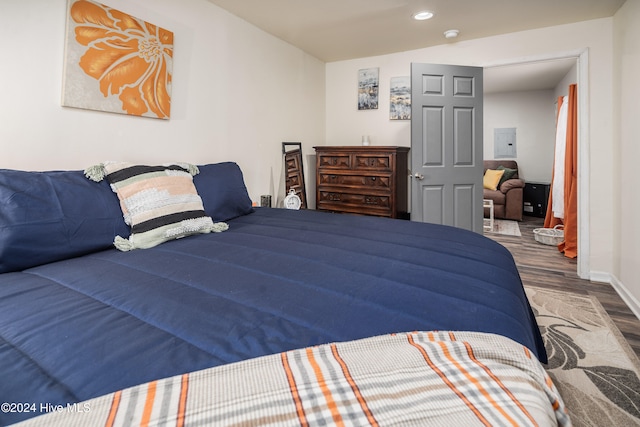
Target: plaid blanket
<point>420,378</point>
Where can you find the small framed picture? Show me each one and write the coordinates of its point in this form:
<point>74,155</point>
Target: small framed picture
<point>368,80</point>
<point>400,102</point>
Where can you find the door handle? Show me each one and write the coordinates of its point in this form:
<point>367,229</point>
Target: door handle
<point>418,176</point>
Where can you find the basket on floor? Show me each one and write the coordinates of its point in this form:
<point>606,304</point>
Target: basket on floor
<point>549,236</point>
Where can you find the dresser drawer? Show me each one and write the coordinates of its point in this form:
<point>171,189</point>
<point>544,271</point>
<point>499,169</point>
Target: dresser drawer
<point>334,161</point>
<point>379,182</point>
<point>378,162</point>
<point>353,202</point>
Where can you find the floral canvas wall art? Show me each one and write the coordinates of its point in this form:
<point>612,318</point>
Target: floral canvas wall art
<point>115,62</point>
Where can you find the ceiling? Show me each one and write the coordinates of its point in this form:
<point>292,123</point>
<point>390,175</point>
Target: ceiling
<point>335,30</point>
<point>539,75</point>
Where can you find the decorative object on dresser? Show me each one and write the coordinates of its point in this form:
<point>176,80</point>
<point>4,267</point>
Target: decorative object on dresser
<point>363,180</point>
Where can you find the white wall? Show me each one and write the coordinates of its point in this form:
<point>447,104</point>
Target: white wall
<point>237,94</point>
<point>345,124</point>
<point>531,113</point>
<point>562,88</point>
<point>626,145</point>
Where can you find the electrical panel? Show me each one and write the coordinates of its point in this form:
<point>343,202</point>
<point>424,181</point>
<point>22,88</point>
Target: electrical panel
<point>504,143</point>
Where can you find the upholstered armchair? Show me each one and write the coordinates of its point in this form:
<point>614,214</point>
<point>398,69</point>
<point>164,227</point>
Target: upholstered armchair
<point>507,197</point>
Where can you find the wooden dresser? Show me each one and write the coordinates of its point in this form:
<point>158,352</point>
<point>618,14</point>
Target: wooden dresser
<point>369,180</point>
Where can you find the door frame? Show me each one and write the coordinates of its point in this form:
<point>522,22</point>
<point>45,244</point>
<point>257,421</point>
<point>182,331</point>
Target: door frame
<point>582,60</point>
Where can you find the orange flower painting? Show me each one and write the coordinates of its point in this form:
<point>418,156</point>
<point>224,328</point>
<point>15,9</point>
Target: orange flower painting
<point>117,63</point>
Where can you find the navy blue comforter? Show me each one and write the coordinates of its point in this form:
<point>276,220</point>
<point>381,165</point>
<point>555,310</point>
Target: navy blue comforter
<point>275,281</point>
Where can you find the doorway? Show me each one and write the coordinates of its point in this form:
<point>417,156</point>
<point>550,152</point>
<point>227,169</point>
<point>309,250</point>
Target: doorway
<point>524,74</point>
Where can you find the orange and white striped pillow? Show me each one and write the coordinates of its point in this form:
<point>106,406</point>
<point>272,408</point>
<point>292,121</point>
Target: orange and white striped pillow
<point>160,203</point>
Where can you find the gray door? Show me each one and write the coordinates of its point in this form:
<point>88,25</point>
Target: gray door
<point>446,145</point>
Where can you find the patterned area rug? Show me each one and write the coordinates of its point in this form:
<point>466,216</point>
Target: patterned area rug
<point>594,368</point>
<point>504,226</point>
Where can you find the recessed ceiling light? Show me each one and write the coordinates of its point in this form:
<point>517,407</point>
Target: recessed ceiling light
<point>423,15</point>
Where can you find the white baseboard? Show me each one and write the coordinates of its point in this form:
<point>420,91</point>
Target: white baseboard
<point>631,301</point>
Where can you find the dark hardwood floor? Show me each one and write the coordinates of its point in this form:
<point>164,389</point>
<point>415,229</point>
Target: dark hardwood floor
<point>543,266</point>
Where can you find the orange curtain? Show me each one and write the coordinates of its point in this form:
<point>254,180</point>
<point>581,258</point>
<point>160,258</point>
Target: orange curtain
<point>570,221</point>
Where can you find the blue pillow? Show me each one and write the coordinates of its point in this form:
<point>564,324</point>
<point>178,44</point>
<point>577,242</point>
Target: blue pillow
<point>223,192</point>
<point>49,216</point>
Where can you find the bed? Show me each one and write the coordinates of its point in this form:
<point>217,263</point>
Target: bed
<point>281,317</point>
